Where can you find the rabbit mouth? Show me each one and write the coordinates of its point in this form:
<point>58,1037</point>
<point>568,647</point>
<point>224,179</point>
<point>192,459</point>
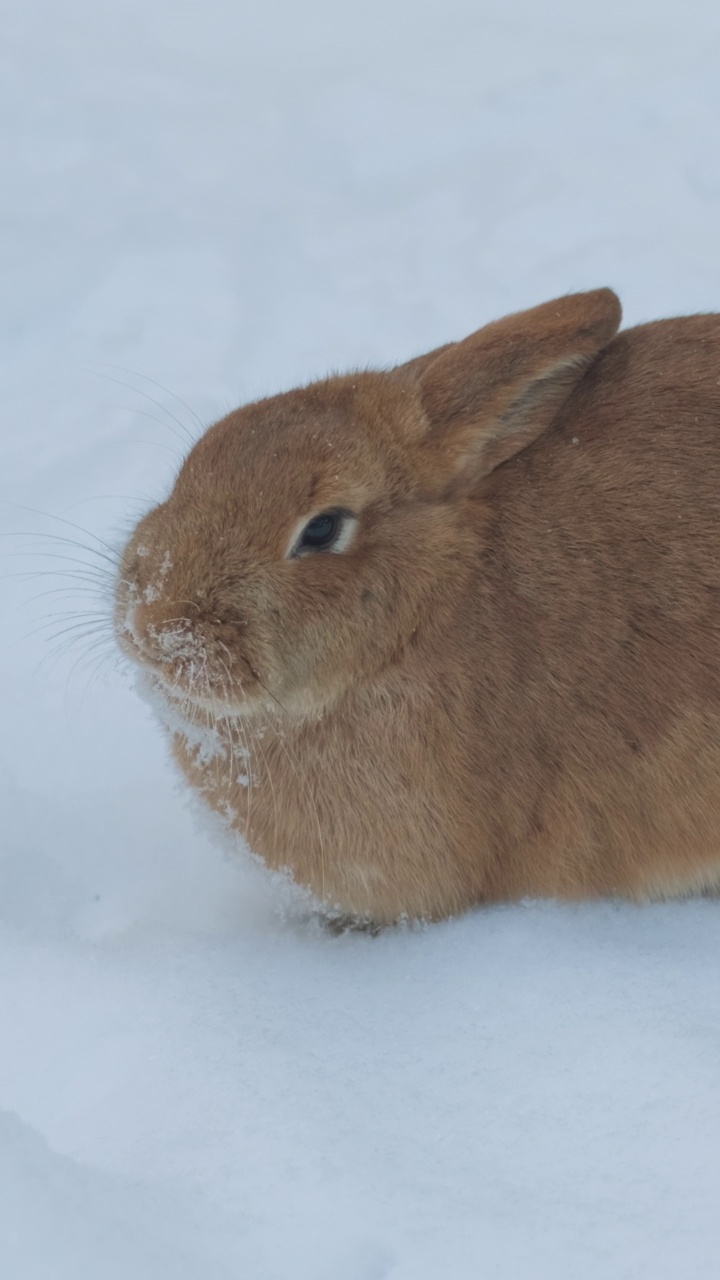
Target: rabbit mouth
<point>202,703</point>
<point>180,667</point>
<point>182,671</point>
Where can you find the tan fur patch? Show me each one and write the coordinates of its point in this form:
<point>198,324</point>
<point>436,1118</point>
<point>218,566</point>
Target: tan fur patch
<point>507,684</point>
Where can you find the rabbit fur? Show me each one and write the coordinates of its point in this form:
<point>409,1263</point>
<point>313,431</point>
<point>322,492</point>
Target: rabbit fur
<point>502,680</point>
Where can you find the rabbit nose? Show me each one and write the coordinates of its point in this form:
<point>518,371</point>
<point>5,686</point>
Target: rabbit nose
<point>158,638</point>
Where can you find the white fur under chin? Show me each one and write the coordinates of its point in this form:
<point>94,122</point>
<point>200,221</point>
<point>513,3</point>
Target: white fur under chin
<point>293,900</point>
<point>204,738</point>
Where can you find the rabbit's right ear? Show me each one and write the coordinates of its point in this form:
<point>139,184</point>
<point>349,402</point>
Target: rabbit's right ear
<point>492,395</point>
<point>415,369</point>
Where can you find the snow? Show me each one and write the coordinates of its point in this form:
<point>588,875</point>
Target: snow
<point>196,1078</point>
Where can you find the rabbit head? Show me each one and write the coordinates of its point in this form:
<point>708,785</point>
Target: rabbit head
<point>310,538</point>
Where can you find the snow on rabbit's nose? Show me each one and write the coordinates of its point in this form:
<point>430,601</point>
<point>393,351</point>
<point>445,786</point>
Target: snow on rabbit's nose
<point>169,641</point>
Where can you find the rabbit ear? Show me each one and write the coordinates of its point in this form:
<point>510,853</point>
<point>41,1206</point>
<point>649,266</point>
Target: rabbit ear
<point>415,369</point>
<point>493,394</point>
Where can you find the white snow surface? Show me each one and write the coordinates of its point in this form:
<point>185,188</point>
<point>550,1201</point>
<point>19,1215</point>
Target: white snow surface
<point>196,1079</point>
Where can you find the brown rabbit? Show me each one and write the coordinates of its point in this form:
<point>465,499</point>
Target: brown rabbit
<point>450,634</point>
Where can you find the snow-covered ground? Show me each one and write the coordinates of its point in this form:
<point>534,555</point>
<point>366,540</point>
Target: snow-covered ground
<point>195,1079</point>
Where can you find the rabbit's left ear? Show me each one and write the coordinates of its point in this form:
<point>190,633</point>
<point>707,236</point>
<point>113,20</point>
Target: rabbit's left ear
<point>493,394</point>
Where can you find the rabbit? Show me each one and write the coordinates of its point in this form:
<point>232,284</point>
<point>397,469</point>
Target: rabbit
<point>449,634</point>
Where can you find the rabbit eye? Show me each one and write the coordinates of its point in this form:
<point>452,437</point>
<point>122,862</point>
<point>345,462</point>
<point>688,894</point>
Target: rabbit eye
<point>328,531</point>
<point>321,532</point>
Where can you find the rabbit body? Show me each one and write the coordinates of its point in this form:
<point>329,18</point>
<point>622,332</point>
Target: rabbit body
<point>516,689</point>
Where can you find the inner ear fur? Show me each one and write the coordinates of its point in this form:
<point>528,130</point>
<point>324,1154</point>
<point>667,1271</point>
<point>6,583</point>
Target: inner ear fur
<point>493,394</point>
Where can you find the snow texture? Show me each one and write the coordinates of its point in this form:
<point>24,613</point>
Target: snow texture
<point>196,1078</point>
